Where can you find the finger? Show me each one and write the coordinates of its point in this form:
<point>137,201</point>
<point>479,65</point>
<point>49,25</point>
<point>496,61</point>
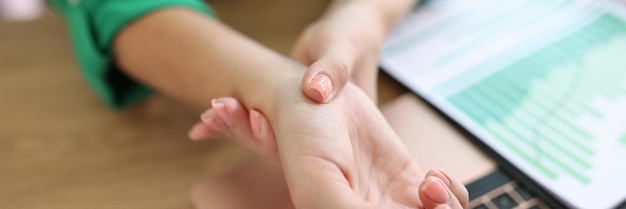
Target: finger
<point>250,129</point>
<point>329,74</point>
<point>207,129</point>
<point>234,121</point>
<point>438,190</point>
<point>227,117</point>
<point>434,194</point>
<point>458,189</point>
<point>264,133</point>
<point>201,131</point>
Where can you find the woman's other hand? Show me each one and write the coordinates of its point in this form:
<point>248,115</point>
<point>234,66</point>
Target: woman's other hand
<point>342,46</point>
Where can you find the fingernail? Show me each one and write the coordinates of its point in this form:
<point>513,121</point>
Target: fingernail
<point>216,104</point>
<point>436,190</point>
<point>322,84</point>
<point>220,110</point>
<point>207,116</point>
<point>258,124</point>
<point>442,176</point>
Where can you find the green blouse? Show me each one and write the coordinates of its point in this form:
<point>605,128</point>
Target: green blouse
<point>93,25</point>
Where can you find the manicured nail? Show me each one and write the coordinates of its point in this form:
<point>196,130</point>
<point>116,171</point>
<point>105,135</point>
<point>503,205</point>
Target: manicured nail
<point>220,110</point>
<point>207,116</point>
<point>258,124</point>
<point>436,190</point>
<point>442,176</point>
<point>323,85</point>
<point>447,177</point>
<point>216,104</point>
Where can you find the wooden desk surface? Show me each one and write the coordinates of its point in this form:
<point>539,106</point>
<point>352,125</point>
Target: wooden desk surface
<point>61,148</point>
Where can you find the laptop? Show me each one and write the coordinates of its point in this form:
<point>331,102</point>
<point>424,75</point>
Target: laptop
<point>539,85</point>
<point>431,139</point>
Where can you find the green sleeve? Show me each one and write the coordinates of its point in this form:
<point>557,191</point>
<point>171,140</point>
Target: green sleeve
<point>93,25</point>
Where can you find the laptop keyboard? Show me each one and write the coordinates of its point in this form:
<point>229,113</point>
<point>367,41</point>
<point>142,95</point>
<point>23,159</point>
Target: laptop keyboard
<point>498,191</point>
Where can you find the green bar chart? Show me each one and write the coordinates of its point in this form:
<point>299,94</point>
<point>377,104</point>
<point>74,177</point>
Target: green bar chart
<point>533,105</point>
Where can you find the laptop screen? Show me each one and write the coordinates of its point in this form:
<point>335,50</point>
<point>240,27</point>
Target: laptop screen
<point>542,83</point>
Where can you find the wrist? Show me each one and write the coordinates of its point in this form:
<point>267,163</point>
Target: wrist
<point>266,90</point>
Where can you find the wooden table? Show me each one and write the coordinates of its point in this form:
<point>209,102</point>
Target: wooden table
<point>61,148</point>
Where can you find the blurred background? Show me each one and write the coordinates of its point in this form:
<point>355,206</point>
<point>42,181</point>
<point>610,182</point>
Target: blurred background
<point>21,9</point>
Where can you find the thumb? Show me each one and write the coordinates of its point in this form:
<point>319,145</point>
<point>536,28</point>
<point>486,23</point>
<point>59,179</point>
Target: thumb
<point>328,75</point>
<point>439,191</point>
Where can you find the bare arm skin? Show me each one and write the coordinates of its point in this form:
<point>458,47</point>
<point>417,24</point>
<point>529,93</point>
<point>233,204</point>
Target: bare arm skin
<point>194,58</point>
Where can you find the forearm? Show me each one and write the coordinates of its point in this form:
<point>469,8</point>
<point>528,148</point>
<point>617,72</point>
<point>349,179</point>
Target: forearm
<point>195,59</point>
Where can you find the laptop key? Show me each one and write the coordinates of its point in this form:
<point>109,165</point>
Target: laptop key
<point>524,193</point>
<point>504,201</point>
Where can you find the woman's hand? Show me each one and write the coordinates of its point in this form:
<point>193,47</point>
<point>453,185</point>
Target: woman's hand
<point>337,155</point>
<point>342,46</point>
<point>344,155</point>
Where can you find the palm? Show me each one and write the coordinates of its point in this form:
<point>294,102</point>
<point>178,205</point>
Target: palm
<point>345,149</point>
